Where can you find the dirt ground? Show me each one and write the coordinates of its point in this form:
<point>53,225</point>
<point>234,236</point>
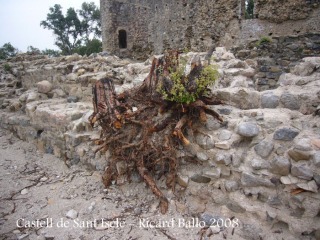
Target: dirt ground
<point>42,198</point>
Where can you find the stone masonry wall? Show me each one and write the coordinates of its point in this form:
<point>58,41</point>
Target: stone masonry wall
<point>54,117</point>
<point>154,26</point>
<point>260,166</point>
<point>278,56</point>
<point>280,11</point>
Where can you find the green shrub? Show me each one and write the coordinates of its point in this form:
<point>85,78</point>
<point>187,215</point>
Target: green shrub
<point>7,68</point>
<point>186,50</point>
<point>207,78</point>
<point>179,93</point>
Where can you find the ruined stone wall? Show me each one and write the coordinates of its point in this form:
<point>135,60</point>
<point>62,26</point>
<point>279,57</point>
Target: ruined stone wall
<point>153,26</point>
<point>47,101</point>
<point>278,56</point>
<point>265,156</point>
<point>244,31</point>
<point>281,10</point>
<point>131,17</point>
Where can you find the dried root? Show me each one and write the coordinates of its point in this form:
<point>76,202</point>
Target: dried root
<point>135,136</point>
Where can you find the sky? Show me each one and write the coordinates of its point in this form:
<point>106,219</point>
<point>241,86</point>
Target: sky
<point>20,22</point>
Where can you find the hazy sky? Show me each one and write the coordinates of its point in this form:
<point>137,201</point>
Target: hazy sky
<point>20,22</point>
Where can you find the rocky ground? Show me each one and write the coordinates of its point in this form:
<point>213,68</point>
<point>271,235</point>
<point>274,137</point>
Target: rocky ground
<point>42,198</point>
<point>256,176</point>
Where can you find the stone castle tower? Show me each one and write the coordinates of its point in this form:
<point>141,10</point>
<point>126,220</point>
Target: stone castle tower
<point>138,28</point>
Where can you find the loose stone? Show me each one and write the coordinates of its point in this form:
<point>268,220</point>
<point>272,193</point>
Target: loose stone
<point>202,156</point>
<point>302,170</point>
<point>223,145</point>
<point>235,207</point>
<point>200,179</point>
<point>24,191</point>
<point>290,101</point>
<point>231,185</point>
<point>206,142</point>
<point>316,143</point>
<point>289,180</point>
<point>298,155</point>
<point>258,164</point>
<point>309,186</point>
<point>225,135</point>
<point>248,129</point>
<point>316,159</point>
<point>280,165</point>
<point>72,99</point>
<point>72,214</point>
<point>224,158</point>
<point>264,148</point>
<point>213,173</point>
<point>269,100</point>
<point>182,180</point>
<point>285,134</point>
<point>249,180</point>
<point>44,86</point>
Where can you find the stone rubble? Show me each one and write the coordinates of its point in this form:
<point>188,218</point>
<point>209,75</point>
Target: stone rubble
<point>247,167</point>
<point>72,214</point>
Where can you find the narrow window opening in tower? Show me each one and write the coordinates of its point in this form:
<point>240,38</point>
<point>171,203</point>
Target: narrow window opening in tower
<point>249,9</point>
<point>122,39</point>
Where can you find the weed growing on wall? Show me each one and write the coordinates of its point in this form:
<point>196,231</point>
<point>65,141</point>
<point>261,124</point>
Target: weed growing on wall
<point>186,89</point>
<point>264,40</point>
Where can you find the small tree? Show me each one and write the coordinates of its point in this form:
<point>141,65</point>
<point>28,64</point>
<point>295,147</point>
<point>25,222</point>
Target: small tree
<point>90,22</point>
<point>66,28</point>
<point>7,50</point>
<point>74,30</point>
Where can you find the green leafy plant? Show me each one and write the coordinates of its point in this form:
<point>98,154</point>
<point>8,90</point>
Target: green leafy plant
<point>7,68</point>
<point>179,91</point>
<point>186,50</point>
<point>264,40</point>
<point>207,78</point>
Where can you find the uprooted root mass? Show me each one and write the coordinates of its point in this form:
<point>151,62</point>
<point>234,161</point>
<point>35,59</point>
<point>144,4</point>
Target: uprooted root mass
<point>143,127</point>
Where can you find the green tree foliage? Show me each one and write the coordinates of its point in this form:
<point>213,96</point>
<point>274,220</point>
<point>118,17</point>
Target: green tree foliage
<point>33,50</point>
<point>90,23</point>
<point>92,46</point>
<point>51,52</point>
<point>67,29</point>
<point>249,9</point>
<point>7,50</point>
<point>179,91</point>
<point>74,30</point>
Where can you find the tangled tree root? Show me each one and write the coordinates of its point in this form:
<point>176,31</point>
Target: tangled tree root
<point>134,131</point>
